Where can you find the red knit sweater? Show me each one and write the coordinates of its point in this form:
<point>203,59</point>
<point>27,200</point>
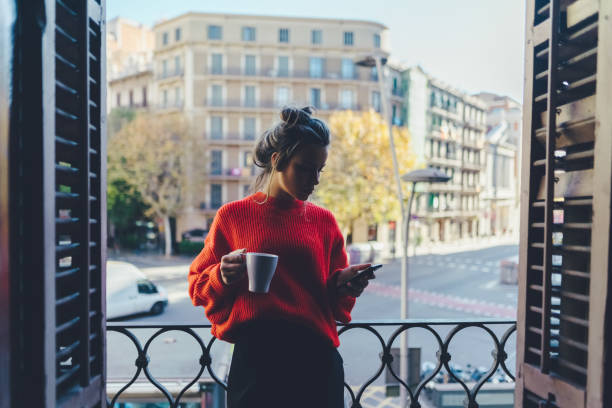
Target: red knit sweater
<point>310,250</point>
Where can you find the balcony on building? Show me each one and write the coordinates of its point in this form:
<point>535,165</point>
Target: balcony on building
<point>272,75</point>
<point>229,139</point>
<point>231,174</point>
<point>170,74</point>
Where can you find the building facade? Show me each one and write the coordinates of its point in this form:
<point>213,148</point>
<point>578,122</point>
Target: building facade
<point>230,74</point>
<point>129,48</point>
<point>448,130</point>
<point>501,188</point>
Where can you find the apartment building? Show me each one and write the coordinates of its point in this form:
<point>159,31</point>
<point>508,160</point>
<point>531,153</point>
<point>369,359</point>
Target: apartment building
<point>230,74</point>
<point>448,130</point>
<point>129,49</point>
<point>501,187</point>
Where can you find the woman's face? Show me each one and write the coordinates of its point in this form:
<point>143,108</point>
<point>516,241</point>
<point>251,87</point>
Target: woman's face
<point>299,178</point>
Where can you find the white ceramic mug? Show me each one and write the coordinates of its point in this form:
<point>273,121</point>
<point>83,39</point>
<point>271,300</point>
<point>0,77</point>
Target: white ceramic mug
<point>260,270</point>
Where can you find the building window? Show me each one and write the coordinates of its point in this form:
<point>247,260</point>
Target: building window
<point>374,74</point>
<point>249,96</point>
<point>216,127</point>
<point>315,97</point>
<point>177,96</point>
<point>283,35</point>
<point>131,98</point>
<point>164,38</point>
<point>177,65</point>
<point>246,189</point>
<point>164,68</point>
<point>282,95</point>
<point>376,101</point>
<point>144,96</point>
<point>215,32</point>
<point>348,38</point>
<point>249,128</point>
<point>249,65</point>
<point>316,37</point>
<point>283,66</point>
<point>177,34</point>
<point>118,99</point>
<point>216,194</point>
<point>165,97</point>
<point>376,40</point>
<point>348,68</point>
<point>216,162</point>
<point>217,64</point>
<point>316,67</point>
<point>346,99</point>
<point>248,33</point>
<point>216,95</point>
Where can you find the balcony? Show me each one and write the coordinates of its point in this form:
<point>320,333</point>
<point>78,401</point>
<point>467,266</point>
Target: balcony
<point>444,161</point>
<point>271,105</point>
<point>229,139</point>
<point>232,174</point>
<point>177,105</point>
<point>274,74</point>
<point>441,334</point>
<point>474,144</point>
<point>398,92</point>
<point>472,166</point>
<point>171,74</point>
<point>475,125</point>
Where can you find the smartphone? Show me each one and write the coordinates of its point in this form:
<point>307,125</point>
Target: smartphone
<point>365,272</point>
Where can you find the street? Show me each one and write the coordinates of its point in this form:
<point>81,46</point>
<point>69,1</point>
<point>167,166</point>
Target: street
<point>442,286</point>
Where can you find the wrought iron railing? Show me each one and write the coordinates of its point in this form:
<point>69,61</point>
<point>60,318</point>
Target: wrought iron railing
<point>499,354</point>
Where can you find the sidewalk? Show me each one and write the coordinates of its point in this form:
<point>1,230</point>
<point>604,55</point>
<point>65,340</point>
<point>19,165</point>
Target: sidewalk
<point>464,245</point>
<point>148,259</point>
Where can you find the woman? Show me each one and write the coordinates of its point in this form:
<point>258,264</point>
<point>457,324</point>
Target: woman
<point>285,340</point>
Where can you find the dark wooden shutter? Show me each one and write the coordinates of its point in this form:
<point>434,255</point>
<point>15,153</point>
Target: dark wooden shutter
<point>80,202</point>
<point>566,178</point>
<point>56,211</point>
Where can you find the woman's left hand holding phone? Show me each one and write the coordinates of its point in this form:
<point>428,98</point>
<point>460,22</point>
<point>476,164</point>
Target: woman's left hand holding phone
<point>354,288</point>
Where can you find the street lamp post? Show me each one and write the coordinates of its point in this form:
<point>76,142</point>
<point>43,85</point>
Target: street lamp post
<point>371,61</point>
<point>428,175</point>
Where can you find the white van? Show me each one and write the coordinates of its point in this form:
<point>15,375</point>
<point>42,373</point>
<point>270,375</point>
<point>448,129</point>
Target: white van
<point>128,291</point>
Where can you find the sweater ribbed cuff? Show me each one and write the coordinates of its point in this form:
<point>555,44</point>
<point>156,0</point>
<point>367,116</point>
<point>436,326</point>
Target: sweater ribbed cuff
<point>217,282</point>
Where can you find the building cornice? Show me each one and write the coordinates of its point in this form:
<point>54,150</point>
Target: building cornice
<point>251,17</point>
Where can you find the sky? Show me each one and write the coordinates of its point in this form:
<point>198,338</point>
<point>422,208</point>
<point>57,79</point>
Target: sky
<point>472,45</point>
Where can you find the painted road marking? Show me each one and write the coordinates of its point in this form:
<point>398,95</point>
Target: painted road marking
<point>446,301</point>
<point>489,285</point>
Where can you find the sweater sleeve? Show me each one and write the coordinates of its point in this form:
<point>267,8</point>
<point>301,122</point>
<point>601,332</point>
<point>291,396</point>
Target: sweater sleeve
<point>341,304</point>
<point>205,285</point>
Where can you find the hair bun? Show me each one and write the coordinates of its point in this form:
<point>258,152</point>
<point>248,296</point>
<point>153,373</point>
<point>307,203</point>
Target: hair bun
<point>293,116</point>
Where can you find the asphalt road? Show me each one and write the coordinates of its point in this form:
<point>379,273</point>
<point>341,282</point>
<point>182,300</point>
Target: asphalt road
<point>463,285</point>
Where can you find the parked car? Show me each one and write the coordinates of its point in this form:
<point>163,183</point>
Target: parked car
<point>194,235</point>
<point>128,291</point>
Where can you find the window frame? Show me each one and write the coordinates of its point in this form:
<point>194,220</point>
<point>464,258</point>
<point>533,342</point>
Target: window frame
<point>212,29</point>
<point>283,35</point>
<point>249,34</point>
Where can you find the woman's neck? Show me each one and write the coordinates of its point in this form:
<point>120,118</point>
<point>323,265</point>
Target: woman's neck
<point>277,192</point>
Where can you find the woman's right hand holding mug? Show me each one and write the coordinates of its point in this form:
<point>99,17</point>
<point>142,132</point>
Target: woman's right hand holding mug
<point>233,266</point>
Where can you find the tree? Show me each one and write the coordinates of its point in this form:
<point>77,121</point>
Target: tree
<point>124,203</point>
<point>358,180</point>
<point>152,153</point>
<point>125,208</point>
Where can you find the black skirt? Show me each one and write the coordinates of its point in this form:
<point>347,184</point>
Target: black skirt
<point>280,364</point>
